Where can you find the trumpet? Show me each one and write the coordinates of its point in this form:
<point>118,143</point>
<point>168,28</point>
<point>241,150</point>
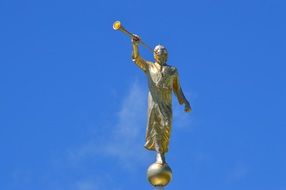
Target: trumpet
<point>118,26</point>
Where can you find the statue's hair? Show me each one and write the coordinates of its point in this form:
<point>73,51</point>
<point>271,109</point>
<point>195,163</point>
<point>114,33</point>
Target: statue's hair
<point>159,49</point>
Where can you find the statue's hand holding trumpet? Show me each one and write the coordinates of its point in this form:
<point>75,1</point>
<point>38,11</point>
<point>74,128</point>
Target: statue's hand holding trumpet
<point>135,38</point>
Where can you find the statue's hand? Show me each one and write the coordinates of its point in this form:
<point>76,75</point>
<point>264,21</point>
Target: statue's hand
<point>135,39</point>
<point>188,107</point>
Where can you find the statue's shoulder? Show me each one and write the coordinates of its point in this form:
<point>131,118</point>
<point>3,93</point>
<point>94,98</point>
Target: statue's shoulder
<point>172,69</point>
<point>149,64</point>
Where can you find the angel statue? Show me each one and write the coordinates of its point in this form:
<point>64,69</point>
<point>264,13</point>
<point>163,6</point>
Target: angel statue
<point>163,79</point>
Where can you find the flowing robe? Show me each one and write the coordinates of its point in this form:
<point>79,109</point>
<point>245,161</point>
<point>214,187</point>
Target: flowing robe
<point>161,82</point>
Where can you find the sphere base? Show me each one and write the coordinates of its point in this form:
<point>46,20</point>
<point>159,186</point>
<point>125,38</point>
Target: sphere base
<point>159,175</point>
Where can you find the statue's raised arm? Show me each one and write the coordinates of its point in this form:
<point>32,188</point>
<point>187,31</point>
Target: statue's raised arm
<point>136,58</point>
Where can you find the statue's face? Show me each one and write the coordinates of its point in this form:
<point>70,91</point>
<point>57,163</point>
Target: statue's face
<point>160,54</point>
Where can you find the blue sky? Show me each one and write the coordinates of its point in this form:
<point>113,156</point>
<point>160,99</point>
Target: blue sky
<point>73,105</point>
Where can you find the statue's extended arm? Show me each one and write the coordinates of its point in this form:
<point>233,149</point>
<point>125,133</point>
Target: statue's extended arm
<point>180,95</point>
<point>136,58</point>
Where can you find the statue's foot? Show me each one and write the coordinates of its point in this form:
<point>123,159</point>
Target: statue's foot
<point>160,159</point>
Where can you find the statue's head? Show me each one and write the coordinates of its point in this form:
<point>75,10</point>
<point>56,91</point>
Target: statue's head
<point>160,54</point>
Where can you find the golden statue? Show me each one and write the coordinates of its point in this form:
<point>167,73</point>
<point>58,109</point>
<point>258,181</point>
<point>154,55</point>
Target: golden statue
<point>163,79</point>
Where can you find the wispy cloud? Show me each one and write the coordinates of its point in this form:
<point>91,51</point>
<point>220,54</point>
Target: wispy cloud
<point>125,141</point>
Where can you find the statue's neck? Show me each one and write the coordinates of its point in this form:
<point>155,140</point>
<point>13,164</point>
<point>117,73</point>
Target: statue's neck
<point>160,64</point>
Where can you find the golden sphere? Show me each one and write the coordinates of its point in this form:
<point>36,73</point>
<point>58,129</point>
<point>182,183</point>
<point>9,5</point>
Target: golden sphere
<point>159,174</point>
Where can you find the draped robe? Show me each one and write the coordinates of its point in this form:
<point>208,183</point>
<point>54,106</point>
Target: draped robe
<point>161,83</point>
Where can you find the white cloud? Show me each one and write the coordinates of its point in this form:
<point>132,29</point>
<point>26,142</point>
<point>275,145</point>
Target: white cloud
<point>126,139</point>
